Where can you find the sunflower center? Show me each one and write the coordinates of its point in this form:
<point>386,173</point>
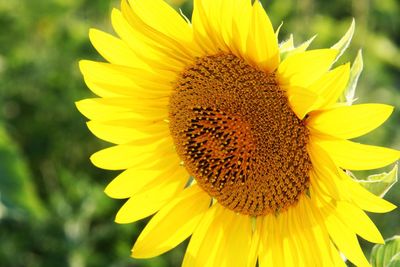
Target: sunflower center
<point>238,137</point>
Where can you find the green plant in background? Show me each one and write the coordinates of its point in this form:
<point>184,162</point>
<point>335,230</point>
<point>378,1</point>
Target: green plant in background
<point>20,200</point>
<point>387,254</point>
<point>52,210</point>
<point>379,184</point>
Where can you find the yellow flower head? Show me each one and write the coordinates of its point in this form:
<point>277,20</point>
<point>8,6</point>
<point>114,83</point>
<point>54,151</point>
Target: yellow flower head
<point>226,142</point>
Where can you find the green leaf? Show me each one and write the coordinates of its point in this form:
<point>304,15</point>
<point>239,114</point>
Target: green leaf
<point>388,254</point>
<point>379,184</point>
<point>17,192</point>
<point>395,261</point>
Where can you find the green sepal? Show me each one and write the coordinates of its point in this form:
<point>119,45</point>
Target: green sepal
<point>355,72</point>
<point>344,42</point>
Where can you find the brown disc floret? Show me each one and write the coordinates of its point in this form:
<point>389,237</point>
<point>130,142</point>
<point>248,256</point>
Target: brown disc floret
<point>237,135</point>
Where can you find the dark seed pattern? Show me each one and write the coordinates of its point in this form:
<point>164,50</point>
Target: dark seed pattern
<point>237,135</point>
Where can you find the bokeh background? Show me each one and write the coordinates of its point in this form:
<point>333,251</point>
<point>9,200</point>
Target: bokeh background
<point>52,208</point>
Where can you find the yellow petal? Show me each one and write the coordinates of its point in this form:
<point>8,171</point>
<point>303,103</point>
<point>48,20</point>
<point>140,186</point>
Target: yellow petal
<point>319,209</point>
<point>264,251</point>
<point>226,20</point>
<point>319,186</point>
<point>365,199</point>
<point>163,18</point>
<point>148,108</point>
<point>302,69</point>
<point>293,240</point>
<point>331,86</point>
<point>354,156</point>
<point>125,156</point>
<point>172,224</point>
<point>120,135</point>
<point>198,237</point>
<point>324,172</point>
<point>214,17</point>
<point>93,110</point>
<point>338,261</point>
<point>141,95</point>
<point>101,91</point>
<point>158,23</point>
<point>203,32</point>
<point>100,109</point>
<point>345,239</point>
<point>271,245</point>
<point>320,233</point>
<point>240,27</point>
<point>349,121</point>
<point>227,241</point>
<point>301,100</point>
<point>153,126</point>
<point>114,50</point>
<point>153,53</point>
<point>148,126</point>
<point>112,81</point>
<point>133,180</point>
<point>152,197</point>
<point>105,73</point>
<point>255,241</point>
<point>132,103</point>
<point>237,240</point>
<point>359,222</point>
<point>262,44</point>
<point>309,235</point>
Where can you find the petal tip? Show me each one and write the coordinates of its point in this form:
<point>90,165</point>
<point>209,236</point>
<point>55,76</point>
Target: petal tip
<point>390,206</point>
<point>93,31</point>
<point>138,253</point>
<point>121,219</point>
<point>83,65</point>
<point>108,191</point>
<point>80,106</point>
<point>134,252</point>
<point>96,160</point>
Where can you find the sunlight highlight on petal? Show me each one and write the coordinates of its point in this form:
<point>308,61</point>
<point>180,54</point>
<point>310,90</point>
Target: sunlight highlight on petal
<point>262,45</point>
<point>349,121</point>
<point>291,71</point>
<point>172,224</point>
<point>152,197</point>
<point>354,156</point>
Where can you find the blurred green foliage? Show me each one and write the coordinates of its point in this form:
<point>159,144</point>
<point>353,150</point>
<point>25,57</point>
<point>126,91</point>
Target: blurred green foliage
<point>52,209</point>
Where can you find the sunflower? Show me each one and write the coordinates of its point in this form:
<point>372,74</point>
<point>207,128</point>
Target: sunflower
<point>230,138</point>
